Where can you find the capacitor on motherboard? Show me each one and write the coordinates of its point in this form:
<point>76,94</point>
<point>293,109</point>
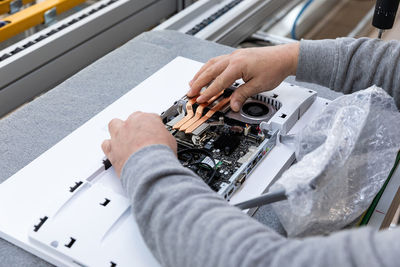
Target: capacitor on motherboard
<point>208,145</point>
<point>247,130</point>
<point>261,135</point>
<point>180,108</point>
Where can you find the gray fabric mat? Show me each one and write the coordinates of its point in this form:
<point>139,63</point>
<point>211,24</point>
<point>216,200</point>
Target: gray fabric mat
<point>35,127</point>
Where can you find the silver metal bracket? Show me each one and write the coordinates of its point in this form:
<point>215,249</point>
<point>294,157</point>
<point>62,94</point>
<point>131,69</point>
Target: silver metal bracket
<point>50,16</point>
<point>15,6</point>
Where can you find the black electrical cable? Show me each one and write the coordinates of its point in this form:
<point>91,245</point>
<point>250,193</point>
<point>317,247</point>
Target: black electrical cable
<point>209,180</point>
<point>203,152</point>
<point>262,200</point>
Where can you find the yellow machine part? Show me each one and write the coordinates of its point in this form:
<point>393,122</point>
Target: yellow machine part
<point>5,5</point>
<point>33,16</point>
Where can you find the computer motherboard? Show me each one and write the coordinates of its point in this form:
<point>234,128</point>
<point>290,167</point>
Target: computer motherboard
<point>219,145</point>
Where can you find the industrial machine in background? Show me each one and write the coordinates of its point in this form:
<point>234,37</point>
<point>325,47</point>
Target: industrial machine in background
<point>48,57</point>
<point>47,41</point>
<point>226,22</point>
<point>44,12</point>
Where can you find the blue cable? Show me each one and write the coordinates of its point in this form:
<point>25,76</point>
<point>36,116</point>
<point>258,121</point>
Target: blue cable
<point>298,17</point>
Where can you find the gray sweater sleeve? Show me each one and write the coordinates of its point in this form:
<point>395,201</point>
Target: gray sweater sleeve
<point>348,65</point>
<point>184,223</point>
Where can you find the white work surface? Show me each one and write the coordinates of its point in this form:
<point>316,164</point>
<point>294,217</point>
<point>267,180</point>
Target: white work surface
<point>42,187</point>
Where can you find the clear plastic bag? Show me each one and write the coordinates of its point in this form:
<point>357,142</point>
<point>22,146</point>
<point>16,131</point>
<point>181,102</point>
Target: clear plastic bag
<point>344,156</point>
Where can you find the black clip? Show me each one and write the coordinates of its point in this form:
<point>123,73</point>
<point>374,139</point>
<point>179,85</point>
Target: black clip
<point>69,245</point>
<point>42,221</point>
<point>105,203</point>
<point>77,184</point>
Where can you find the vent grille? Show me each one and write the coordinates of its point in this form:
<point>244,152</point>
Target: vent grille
<point>271,101</point>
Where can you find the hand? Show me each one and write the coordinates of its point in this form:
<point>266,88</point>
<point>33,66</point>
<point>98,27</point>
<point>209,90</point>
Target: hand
<point>261,69</point>
<point>127,137</point>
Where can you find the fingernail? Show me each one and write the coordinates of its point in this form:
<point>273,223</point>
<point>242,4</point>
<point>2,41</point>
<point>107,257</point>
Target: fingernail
<point>189,93</point>
<point>236,106</point>
<point>201,99</point>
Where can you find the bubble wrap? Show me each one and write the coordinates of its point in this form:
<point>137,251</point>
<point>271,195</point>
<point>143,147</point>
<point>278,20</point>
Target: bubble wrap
<point>344,156</point>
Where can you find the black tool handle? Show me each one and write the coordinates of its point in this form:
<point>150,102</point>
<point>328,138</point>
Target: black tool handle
<point>107,164</point>
<point>385,14</point>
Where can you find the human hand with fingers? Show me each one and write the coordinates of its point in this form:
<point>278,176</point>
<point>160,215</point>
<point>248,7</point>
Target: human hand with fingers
<point>262,69</point>
<point>138,131</point>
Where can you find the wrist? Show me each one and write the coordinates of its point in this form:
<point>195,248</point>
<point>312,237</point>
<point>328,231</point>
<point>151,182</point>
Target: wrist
<point>291,52</point>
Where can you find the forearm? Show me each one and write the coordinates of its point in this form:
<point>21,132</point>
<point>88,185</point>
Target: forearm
<point>182,220</point>
<point>184,223</point>
<point>348,65</point>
